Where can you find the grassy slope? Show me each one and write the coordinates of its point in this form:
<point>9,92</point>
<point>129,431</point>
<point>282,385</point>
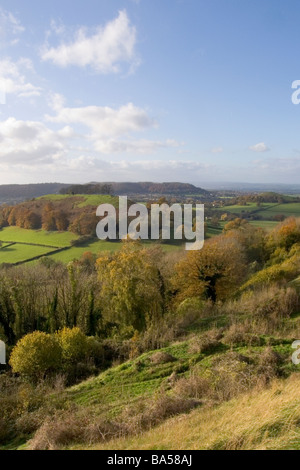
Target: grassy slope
<point>85,200</point>
<point>262,420</point>
<point>136,380</point>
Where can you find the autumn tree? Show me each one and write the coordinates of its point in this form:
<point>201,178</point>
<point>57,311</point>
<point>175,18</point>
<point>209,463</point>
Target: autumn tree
<point>48,218</point>
<point>131,286</point>
<point>285,235</point>
<point>251,238</point>
<point>213,272</point>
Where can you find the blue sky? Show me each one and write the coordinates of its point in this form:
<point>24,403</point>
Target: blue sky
<point>136,90</point>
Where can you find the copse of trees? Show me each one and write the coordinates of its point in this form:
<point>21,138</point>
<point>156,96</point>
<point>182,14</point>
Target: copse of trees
<point>87,189</point>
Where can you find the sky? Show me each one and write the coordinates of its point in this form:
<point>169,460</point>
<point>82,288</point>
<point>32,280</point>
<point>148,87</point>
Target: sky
<point>195,91</point>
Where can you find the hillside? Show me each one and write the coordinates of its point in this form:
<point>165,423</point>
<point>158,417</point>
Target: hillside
<point>14,193</point>
<point>104,351</point>
<point>160,189</point>
<point>214,387</point>
<point>261,420</point>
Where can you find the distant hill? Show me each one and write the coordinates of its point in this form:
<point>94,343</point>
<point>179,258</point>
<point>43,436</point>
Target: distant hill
<point>14,193</point>
<point>123,189</point>
<point>253,187</point>
<point>157,189</point>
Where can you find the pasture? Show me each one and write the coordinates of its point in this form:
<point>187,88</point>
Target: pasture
<point>17,253</point>
<point>266,211</point>
<point>37,237</point>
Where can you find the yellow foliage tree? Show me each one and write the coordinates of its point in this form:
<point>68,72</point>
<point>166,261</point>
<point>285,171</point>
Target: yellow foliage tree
<point>35,355</point>
<point>131,286</point>
<point>213,273</point>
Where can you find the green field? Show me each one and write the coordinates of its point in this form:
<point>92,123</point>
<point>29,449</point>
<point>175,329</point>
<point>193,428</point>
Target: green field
<point>250,207</point>
<point>289,210</point>
<point>96,200</point>
<point>18,253</point>
<point>267,225</point>
<point>31,243</point>
<point>85,200</point>
<point>46,242</point>
<point>38,237</point>
<point>266,210</point>
<point>99,246</point>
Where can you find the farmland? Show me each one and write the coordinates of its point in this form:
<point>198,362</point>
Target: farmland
<point>21,245</point>
<point>265,211</point>
<point>37,237</point>
<point>27,245</point>
<point>83,200</point>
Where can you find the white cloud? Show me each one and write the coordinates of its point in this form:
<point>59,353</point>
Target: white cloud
<point>111,129</point>
<point>103,50</point>
<point>13,80</point>
<point>31,143</point>
<point>56,101</point>
<point>9,24</point>
<point>104,122</point>
<point>261,147</point>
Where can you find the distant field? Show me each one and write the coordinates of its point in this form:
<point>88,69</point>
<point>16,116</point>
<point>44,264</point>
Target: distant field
<point>251,207</point>
<point>214,231</point>
<point>96,200</point>
<point>18,253</point>
<point>289,210</point>
<point>85,199</point>
<point>39,237</point>
<point>99,247</point>
<point>267,225</point>
<point>266,210</point>
<point>75,252</point>
<point>55,197</point>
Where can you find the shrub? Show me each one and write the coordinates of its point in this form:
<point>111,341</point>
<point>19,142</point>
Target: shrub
<point>269,365</point>
<point>36,355</point>
<point>206,343</point>
<point>239,335</point>
<point>57,432</point>
<point>194,386</point>
<point>74,345</point>
<point>161,358</point>
<point>274,303</point>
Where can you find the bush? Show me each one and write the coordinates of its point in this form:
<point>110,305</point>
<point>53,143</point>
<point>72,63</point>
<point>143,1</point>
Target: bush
<point>206,343</point>
<point>74,345</point>
<point>36,355</point>
<point>269,365</point>
<point>161,358</point>
<point>57,432</point>
<point>274,303</point>
<point>240,335</point>
<point>194,386</point>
